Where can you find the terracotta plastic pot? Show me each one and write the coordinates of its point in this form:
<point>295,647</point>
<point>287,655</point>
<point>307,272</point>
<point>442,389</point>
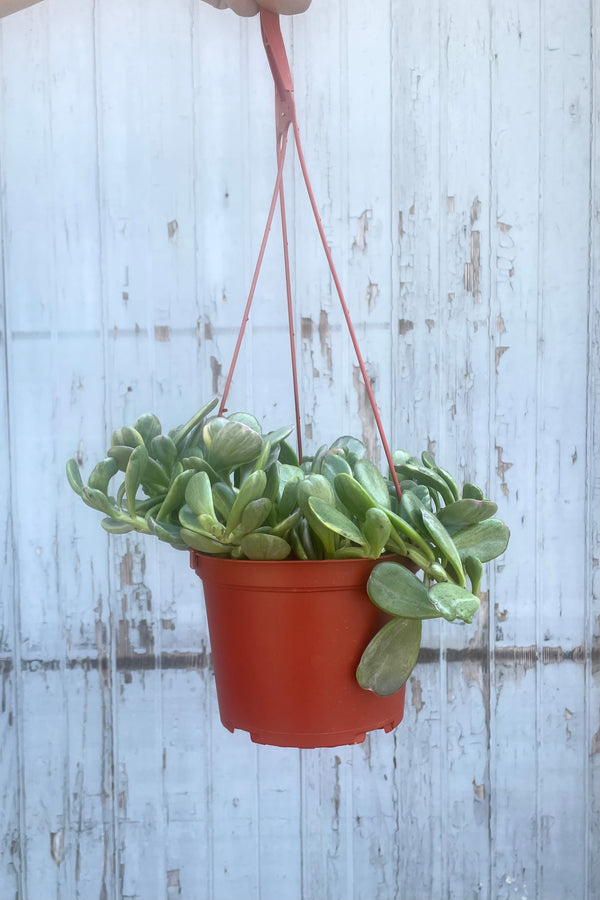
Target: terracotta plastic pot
<point>286,639</point>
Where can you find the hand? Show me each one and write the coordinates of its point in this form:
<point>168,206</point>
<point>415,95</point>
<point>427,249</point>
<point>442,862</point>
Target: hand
<point>252,7</point>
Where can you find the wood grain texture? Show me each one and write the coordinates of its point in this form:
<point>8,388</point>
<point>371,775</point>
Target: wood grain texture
<point>453,153</point>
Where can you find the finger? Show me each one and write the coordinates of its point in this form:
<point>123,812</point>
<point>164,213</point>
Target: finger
<point>243,7</point>
<point>285,7</point>
<point>218,4</point>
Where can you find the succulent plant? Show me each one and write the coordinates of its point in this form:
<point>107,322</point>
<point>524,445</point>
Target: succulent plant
<point>220,486</point>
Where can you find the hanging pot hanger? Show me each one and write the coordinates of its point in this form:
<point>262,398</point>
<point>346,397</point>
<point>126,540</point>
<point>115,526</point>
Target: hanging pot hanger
<point>285,116</point>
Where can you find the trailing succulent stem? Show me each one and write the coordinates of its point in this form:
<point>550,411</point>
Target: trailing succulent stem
<point>220,486</point>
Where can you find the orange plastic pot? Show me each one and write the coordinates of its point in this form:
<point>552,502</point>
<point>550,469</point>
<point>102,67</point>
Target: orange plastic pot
<point>286,639</point>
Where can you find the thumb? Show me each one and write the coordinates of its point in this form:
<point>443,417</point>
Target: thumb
<point>285,7</point>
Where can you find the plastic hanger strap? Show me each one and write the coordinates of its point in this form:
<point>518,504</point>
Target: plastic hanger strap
<point>285,111</point>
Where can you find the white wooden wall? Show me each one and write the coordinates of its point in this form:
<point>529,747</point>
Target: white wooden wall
<point>453,148</point>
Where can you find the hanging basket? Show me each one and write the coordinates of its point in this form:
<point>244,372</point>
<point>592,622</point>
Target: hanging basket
<point>286,638</point>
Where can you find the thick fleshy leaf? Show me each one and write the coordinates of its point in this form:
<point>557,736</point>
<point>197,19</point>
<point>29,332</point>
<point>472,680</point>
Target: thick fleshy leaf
<point>204,543</point>
<point>232,445</point>
<point>252,489</point>
<point>352,447</point>
<point>454,602</point>
<point>397,591</point>
<point>246,419</point>
<point>428,477</point>
<point>254,515</point>
<point>200,465</point>
<point>429,461</point>
<point>289,497</point>
<point>411,508</point>
<point>279,435</point>
<point>265,546</point>
<point>101,475</point>
<point>336,521</point>
<point>368,475</point>
<point>114,526</point>
<point>407,531</point>
<point>487,540</point>
<point>472,492</point>
<point>163,450</point>
<point>74,476</point>
<point>287,454</point>
<point>334,464</point>
<point>390,657</point>
<point>444,543</point>
<point>284,526</point>
<point>198,493</point>
<point>175,496</point>
<point>171,534</point>
<point>120,454</point>
<point>98,500</point>
<point>149,427</point>
<point>223,498</point>
<point>134,475</point>
<point>466,512</point>
<point>126,437</point>
<point>353,495</point>
<point>474,569</point>
<point>377,529</point>
<point>178,435</point>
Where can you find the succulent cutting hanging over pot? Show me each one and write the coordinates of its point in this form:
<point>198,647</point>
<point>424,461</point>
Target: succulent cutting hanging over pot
<point>220,486</point>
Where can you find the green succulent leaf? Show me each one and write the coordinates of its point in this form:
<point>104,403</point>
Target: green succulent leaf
<point>164,451</point>
<point>170,534</point>
<point>254,515</point>
<point>390,657</point>
<point>204,543</point>
<point>397,591</point>
<point>198,493</point>
<point>472,492</point>
<point>353,495</point>
<point>223,498</point>
<point>101,474</point>
<point>377,530</point>
<point>352,447</point>
<point>429,461</point>
<point>368,475</point>
<point>121,455</point>
<point>98,500</point>
<point>474,569</point>
<point>264,546</point>
<point>335,464</point>
<point>487,540</point>
<point>116,526</point>
<point>231,445</point>
<point>336,521</point>
<point>74,476</point>
<point>407,531</point>
<point>149,427</point>
<point>284,526</point>
<point>175,496</point>
<point>466,512</point>
<point>246,419</point>
<point>411,508</point>
<point>252,489</point>
<point>454,602</point>
<point>287,454</point>
<point>134,475</point>
<point>428,477</point>
<point>444,543</point>
<point>126,437</point>
<point>179,434</point>
<point>199,464</point>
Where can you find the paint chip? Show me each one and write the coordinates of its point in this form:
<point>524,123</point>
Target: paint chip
<point>405,325</point>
